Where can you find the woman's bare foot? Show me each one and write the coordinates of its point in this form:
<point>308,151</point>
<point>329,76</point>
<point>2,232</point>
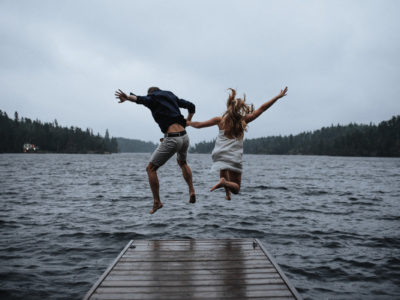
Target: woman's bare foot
<point>220,184</point>
<point>228,194</point>
<point>192,198</point>
<point>156,206</point>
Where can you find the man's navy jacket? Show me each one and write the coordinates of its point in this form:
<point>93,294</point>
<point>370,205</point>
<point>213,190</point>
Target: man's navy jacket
<point>164,106</point>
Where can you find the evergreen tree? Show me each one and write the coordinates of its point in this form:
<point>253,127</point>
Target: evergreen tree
<point>50,137</point>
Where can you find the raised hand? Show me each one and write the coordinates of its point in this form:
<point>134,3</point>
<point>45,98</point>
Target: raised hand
<point>283,92</point>
<point>121,96</point>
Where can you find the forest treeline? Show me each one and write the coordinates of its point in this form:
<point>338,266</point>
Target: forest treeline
<point>50,137</point>
<point>350,140</point>
<point>133,145</point>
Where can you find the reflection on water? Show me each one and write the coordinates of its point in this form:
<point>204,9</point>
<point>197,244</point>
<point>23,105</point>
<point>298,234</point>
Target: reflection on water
<point>332,223</point>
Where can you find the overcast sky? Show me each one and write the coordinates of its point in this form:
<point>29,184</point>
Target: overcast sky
<point>64,59</point>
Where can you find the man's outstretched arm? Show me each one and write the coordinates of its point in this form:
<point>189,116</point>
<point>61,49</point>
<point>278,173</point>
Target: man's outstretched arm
<point>124,97</point>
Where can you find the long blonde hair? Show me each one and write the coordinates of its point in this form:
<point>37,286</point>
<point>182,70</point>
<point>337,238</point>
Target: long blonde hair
<point>233,119</point>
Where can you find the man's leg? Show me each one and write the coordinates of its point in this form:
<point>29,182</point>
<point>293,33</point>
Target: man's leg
<point>187,175</point>
<point>155,186</point>
<point>181,155</point>
<point>165,150</point>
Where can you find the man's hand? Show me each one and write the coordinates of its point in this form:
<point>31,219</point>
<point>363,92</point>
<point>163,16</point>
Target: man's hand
<point>283,92</point>
<point>121,96</point>
<point>189,117</point>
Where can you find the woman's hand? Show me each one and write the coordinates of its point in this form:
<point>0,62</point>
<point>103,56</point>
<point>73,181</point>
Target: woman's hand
<point>121,96</point>
<point>283,92</point>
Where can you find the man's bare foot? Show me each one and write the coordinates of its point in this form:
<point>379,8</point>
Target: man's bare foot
<point>156,206</point>
<point>192,198</point>
<point>220,184</point>
<point>228,197</point>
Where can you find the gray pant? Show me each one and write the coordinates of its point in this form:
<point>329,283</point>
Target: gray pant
<point>168,147</point>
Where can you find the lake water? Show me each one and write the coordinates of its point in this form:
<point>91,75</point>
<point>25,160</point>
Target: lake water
<point>332,223</point>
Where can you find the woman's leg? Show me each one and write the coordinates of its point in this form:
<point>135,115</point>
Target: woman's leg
<point>225,174</point>
<point>236,179</point>
<point>233,184</point>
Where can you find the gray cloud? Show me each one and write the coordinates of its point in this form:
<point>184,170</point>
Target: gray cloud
<point>64,60</point>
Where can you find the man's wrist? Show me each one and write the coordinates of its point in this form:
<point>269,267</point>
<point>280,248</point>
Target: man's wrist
<point>132,97</point>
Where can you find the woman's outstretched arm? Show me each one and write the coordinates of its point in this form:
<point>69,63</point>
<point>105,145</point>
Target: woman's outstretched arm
<point>211,122</point>
<point>255,114</point>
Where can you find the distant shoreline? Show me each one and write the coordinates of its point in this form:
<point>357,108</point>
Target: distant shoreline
<point>353,140</point>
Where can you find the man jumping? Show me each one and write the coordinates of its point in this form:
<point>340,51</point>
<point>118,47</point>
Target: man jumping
<point>164,106</point>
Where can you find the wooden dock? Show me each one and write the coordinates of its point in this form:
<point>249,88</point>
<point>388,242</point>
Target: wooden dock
<point>193,269</point>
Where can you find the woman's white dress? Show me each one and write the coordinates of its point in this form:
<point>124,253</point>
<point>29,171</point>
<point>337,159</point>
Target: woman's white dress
<point>227,153</point>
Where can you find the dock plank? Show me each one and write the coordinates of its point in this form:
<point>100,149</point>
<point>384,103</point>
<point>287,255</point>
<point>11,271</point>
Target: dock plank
<point>171,283</point>
<point>220,272</point>
<point>169,265</point>
<point>176,289</point>
<point>193,269</point>
<point>183,276</point>
<point>191,253</point>
<point>242,294</point>
<point>186,289</point>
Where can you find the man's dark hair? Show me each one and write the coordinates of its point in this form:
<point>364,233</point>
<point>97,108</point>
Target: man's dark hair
<point>152,89</point>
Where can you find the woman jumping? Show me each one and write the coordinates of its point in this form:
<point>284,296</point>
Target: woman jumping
<point>228,150</point>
